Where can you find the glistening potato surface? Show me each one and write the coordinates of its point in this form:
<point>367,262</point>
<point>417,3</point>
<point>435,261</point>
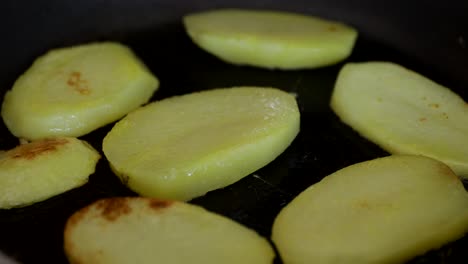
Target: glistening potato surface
<point>143,230</point>
<point>270,39</point>
<point>403,112</point>
<point>185,146</point>
<point>73,91</point>
<point>386,210</point>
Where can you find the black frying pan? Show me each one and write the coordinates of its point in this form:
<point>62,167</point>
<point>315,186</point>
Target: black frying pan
<point>430,37</point>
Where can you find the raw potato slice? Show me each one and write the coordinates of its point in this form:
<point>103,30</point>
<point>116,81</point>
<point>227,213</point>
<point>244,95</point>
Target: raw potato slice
<point>73,91</point>
<point>36,171</point>
<point>403,112</point>
<point>386,210</point>
<point>270,39</point>
<point>183,147</point>
<point>144,230</point>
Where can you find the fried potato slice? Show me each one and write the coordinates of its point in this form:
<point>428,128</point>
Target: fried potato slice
<point>41,169</point>
<point>73,91</point>
<point>403,112</point>
<point>184,146</point>
<point>270,39</point>
<point>386,210</point>
<point>145,230</point>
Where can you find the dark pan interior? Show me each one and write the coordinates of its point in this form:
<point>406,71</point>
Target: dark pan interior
<point>429,37</point>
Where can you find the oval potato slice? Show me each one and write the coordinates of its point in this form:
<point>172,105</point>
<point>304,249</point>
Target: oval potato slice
<point>144,230</point>
<point>41,169</point>
<point>184,146</point>
<point>73,91</point>
<point>386,210</point>
<point>270,39</point>
<point>403,112</point>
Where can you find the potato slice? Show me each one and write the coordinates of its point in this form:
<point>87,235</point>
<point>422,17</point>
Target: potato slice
<point>38,170</point>
<point>145,230</point>
<point>72,91</point>
<point>183,147</point>
<point>403,112</point>
<point>270,39</point>
<point>385,210</point>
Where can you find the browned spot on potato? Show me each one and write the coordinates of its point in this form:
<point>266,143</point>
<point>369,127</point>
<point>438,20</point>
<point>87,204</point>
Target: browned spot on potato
<point>159,204</point>
<point>31,150</point>
<point>113,208</point>
<point>76,217</point>
<point>363,204</point>
<point>445,115</point>
<point>434,105</point>
<point>422,119</point>
<point>77,82</point>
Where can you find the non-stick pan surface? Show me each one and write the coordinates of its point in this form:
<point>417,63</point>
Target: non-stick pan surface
<point>429,37</point>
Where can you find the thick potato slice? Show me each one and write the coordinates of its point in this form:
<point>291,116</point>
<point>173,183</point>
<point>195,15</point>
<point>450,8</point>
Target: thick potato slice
<point>403,112</point>
<point>145,230</point>
<point>385,210</point>
<point>72,91</point>
<point>270,39</point>
<point>184,146</point>
<point>36,171</point>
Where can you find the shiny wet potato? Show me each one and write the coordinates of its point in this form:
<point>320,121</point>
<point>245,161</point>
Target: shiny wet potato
<point>73,91</point>
<point>270,39</point>
<point>386,210</point>
<point>403,112</point>
<point>36,171</point>
<point>144,230</point>
<point>185,146</point>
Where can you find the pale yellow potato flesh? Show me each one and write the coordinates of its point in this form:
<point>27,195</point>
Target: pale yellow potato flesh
<point>185,146</point>
<point>36,171</point>
<point>270,39</point>
<point>145,230</point>
<point>386,210</point>
<point>75,90</point>
<point>403,112</point>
